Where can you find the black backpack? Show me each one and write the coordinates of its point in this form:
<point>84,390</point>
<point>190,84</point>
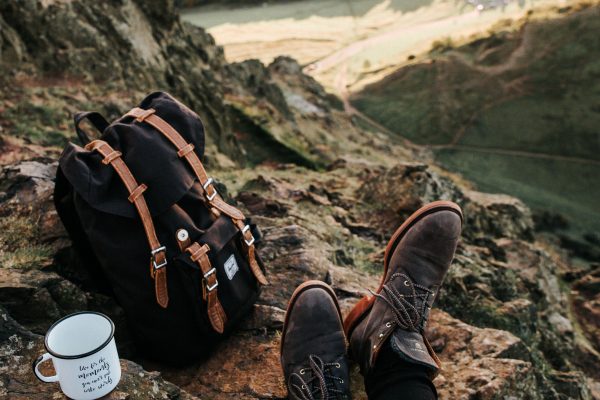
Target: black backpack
<point>141,210</point>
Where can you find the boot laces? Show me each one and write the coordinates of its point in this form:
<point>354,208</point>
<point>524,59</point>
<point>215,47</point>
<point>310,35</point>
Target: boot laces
<point>320,383</point>
<point>408,313</point>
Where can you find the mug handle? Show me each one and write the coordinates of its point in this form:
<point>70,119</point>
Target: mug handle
<point>38,374</point>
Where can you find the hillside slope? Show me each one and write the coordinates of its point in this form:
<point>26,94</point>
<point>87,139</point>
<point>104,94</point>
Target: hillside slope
<point>517,111</point>
<point>326,193</point>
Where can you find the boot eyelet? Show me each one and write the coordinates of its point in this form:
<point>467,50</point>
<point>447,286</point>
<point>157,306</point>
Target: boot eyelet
<point>337,365</point>
<point>381,335</point>
<point>406,283</point>
<point>374,346</point>
<point>303,387</point>
<point>388,324</point>
<point>302,371</point>
<point>341,381</point>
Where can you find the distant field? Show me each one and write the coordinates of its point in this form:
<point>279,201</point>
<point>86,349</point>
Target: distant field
<point>570,189</point>
<point>516,112</point>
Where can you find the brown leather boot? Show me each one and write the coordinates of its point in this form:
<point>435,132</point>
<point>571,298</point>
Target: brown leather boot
<point>313,345</point>
<point>415,263</point>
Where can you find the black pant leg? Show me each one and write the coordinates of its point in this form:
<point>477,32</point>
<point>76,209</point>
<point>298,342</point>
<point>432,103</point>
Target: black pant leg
<point>395,379</point>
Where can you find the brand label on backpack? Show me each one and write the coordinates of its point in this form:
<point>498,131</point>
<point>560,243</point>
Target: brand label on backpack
<point>231,267</point>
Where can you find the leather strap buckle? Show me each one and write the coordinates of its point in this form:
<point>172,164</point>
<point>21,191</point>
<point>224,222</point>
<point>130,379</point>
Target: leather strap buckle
<point>208,183</point>
<point>248,242</point>
<point>213,287</point>
<point>209,273</point>
<point>207,287</point>
<point>153,258</point>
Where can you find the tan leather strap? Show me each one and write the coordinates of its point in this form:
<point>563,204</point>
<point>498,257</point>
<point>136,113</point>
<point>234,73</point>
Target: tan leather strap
<point>248,240</point>
<point>211,195</point>
<point>158,257</point>
<point>216,314</point>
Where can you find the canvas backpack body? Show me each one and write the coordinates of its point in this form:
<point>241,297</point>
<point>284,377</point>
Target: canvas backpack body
<point>147,219</point>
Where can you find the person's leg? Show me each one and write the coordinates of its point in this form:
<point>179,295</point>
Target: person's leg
<point>393,378</point>
<point>313,345</point>
<point>385,331</point>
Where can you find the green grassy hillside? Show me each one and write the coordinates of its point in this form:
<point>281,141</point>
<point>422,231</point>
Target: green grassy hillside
<point>516,112</point>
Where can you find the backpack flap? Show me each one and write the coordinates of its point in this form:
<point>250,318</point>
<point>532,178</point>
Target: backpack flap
<point>152,159</point>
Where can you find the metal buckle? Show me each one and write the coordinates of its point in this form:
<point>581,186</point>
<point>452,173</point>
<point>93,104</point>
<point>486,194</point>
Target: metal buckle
<point>248,242</point>
<point>213,287</point>
<point>208,183</point>
<point>209,273</point>
<point>153,257</point>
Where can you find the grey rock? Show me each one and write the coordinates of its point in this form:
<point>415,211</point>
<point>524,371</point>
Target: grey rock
<point>561,323</point>
<point>29,181</point>
<point>37,299</point>
<point>496,215</point>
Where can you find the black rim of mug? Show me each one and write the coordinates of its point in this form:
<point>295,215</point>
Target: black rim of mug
<point>89,353</point>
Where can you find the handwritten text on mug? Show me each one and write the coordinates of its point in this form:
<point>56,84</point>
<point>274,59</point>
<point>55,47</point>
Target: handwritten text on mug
<point>95,375</point>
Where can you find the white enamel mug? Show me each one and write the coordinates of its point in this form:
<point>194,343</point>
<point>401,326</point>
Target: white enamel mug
<point>83,351</point>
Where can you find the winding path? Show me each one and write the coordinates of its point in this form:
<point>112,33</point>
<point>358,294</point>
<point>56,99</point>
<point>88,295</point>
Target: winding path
<point>518,153</point>
<point>341,59</point>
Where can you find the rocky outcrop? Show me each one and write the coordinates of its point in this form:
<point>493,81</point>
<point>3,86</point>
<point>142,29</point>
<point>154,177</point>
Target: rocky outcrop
<point>31,232</point>
<point>252,113</point>
<point>326,193</point>
<point>30,181</point>
<point>488,363</point>
<point>586,299</point>
<point>317,226</point>
<point>497,215</point>
<point>398,191</point>
<point>37,299</point>
<point>500,278</point>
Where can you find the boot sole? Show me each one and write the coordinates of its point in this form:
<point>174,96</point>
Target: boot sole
<point>362,308</point>
<point>299,290</point>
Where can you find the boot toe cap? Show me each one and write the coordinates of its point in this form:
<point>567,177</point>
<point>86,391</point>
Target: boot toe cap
<point>313,326</point>
<point>427,248</point>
